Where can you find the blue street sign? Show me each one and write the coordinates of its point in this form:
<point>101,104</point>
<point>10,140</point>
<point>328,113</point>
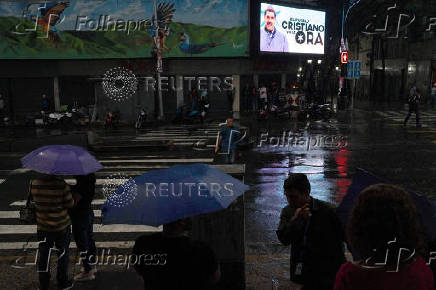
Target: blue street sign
<point>357,67</point>
<point>350,69</point>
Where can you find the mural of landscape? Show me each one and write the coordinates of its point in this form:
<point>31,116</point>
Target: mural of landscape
<point>101,29</point>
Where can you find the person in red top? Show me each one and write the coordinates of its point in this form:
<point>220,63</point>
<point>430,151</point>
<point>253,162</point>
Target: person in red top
<point>384,232</point>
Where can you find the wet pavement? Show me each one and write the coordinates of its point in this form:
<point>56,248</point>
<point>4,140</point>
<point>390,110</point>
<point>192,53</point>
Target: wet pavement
<point>365,139</point>
<point>403,156</point>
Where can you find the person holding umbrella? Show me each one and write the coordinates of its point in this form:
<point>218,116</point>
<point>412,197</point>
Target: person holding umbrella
<point>82,219</point>
<point>168,197</point>
<point>170,260</point>
<point>52,197</point>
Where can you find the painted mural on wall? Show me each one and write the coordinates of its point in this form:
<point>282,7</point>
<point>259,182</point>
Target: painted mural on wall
<point>122,29</point>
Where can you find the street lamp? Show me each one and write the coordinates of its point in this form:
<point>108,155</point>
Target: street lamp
<point>300,68</point>
<point>319,61</point>
<point>337,68</point>
<point>309,61</point>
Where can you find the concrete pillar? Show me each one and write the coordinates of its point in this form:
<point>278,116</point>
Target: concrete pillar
<point>256,80</point>
<point>94,109</point>
<point>179,92</point>
<point>57,101</point>
<point>237,96</point>
<point>283,81</point>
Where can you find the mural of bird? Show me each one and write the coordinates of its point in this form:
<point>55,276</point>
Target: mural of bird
<point>191,48</point>
<point>50,15</point>
<point>165,13</point>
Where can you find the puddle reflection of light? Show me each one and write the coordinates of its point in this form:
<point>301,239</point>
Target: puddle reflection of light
<point>342,184</point>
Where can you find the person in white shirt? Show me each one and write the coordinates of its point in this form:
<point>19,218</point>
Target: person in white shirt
<point>263,97</point>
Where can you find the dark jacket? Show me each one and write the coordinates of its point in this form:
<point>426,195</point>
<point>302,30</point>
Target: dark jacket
<point>323,253</point>
<point>86,188</point>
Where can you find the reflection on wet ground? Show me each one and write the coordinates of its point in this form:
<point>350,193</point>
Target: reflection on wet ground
<point>397,154</point>
<point>269,164</point>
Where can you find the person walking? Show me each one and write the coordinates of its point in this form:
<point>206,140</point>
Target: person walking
<point>384,231</point>
<point>413,102</point>
<point>82,219</point>
<point>263,97</point>
<point>315,234</point>
<point>169,260</point>
<point>227,141</point>
<point>194,99</point>
<point>52,198</point>
<point>45,103</point>
<point>433,95</point>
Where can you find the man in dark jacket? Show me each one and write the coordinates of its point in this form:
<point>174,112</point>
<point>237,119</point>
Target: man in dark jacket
<point>82,219</point>
<point>315,234</point>
<point>170,260</point>
<point>413,101</point>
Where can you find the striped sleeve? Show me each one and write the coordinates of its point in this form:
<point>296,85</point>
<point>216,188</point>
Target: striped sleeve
<point>68,200</point>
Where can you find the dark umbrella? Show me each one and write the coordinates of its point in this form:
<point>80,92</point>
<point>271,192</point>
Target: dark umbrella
<point>362,179</point>
<point>161,196</point>
<point>61,160</point>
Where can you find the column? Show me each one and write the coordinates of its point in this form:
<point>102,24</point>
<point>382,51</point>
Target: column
<point>57,101</point>
<point>283,81</point>
<point>256,80</point>
<point>179,90</point>
<point>236,97</point>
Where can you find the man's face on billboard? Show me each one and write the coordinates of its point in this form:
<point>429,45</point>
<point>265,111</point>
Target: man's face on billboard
<point>270,20</point>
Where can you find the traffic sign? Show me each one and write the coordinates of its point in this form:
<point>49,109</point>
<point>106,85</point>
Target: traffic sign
<point>344,57</point>
<point>353,69</point>
<point>357,67</point>
<point>350,69</point>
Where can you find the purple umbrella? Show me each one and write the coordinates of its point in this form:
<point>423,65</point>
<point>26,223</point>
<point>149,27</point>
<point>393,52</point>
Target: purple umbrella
<point>61,160</point>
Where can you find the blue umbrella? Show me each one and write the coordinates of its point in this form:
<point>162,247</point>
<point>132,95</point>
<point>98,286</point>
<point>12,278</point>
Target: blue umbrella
<point>363,179</point>
<point>61,160</point>
<point>162,196</point>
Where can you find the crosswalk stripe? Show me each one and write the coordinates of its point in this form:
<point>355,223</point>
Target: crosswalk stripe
<point>383,114</point>
<point>395,113</point>
<point>173,139</point>
<point>173,160</point>
<point>116,228</point>
<point>14,214</point>
<point>34,245</point>
<point>21,203</point>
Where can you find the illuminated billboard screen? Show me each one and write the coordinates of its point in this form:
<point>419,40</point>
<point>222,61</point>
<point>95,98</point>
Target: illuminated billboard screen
<point>291,30</point>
